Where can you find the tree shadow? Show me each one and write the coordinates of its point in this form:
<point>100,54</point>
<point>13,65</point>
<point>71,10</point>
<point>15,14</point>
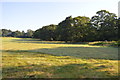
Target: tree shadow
<point>78,52</point>
<point>46,70</point>
<point>82,52</point>
<point>37,41</point>
<point>83,70</point>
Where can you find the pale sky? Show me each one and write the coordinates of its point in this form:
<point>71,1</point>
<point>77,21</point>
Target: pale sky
<point>33,15</point>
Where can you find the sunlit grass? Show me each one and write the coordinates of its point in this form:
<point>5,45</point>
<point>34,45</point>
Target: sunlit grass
<point>76,50</point>
<point>18,44</point>
<point>29,58</point>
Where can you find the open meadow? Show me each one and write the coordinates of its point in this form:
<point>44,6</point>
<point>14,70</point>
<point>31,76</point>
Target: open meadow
<point>32,58</point>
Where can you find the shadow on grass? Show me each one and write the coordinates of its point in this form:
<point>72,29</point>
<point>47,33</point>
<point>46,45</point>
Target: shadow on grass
<point>47,70</point>
<point>82,52</point>
<point>29,40</point>
<point>64,71</point>
<point>78,52</point>
<point>38,41</point>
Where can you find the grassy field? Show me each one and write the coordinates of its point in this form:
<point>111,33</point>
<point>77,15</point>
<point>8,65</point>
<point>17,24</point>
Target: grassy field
<point>31,58</point>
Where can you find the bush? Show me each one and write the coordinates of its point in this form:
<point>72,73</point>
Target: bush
<point>118,43</point>
<point>107,43</point>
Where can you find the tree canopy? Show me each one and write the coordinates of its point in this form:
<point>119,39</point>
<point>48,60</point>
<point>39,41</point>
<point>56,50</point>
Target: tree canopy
<point>106,25</point>
<point>9,33</point>
<point>102,26</point>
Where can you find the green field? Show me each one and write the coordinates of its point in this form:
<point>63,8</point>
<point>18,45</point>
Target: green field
<point>31,58</point>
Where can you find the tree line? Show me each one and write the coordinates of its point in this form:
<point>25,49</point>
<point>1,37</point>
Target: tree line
<point>102,26</point>
<point>9,33</point>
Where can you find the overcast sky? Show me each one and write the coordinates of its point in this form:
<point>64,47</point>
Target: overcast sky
<point>34,15</point>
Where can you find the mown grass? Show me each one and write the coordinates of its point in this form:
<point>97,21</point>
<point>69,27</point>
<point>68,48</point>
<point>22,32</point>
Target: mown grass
<point>30,58</point>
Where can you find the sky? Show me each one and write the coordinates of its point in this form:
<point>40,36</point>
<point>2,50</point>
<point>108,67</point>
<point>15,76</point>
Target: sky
<point>28,14</point>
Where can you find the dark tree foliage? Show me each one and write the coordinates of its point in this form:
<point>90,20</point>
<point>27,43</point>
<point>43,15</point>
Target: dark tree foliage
<point>16,34</point>
<point>82,29</point>
<point>6,33</point>
<point>9,33</point>
<point>75,29</point>
<point>118,28</point>
<point>106,25</point>
<point>46,33</point>
<point>64,29</point>
<point>103,26</point>
<point>29,33</point>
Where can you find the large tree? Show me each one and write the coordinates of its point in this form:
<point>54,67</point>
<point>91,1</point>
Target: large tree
<point>64,29</point>
<point>105,24</point>
<point>16,34</point>
<point>75,29</point>
<point>46,32</point>
<point>6,32</point>
<point>29,33</point>
<point>119,27</point>
<point>82,29</point>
